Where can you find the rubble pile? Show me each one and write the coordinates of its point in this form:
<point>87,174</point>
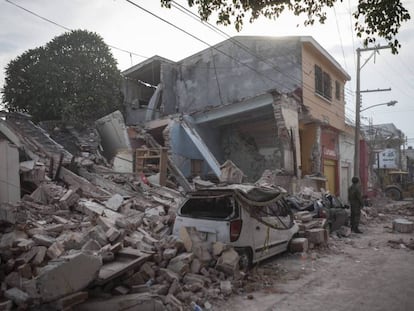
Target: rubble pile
<point>63,247</point>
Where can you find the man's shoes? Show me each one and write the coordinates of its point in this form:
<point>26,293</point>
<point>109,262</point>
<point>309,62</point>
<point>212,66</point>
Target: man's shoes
<point>357,230</point>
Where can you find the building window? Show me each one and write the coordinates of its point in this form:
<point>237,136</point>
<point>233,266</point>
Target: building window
<point>337,90</point>
<point>323,83</point>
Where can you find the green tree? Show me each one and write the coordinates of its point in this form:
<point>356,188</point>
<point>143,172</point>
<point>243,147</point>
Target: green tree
<point>374,18</point>
<point>73,78</point>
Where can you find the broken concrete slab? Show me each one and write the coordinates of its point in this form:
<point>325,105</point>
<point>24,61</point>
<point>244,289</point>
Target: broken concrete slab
<point>55,250</point>
<point>43,240</point>
<point>18,296</point>
<point>114,202</point>
<point>228,262</point>
<point>69,199</point>
<point>40,255</point>
<point>123,263</point>
<point>67,275</point>
<point>68,302</point>
<point>131,302</point>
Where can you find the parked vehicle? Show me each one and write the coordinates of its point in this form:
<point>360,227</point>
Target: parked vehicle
<point>257,222</point>
<point>397,186</point>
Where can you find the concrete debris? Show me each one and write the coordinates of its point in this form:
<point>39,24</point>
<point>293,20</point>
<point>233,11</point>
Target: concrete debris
<point>67,275</point>
<point>299,245</point>
<point>89,238</point>
<point>228,262</point>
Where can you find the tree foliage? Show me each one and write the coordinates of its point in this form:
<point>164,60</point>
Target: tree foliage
<point>73,78</point>
<point>374,18</point>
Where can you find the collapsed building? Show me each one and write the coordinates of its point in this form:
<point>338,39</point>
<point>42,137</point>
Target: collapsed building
<point>263,103</point>
<point>105,196</point>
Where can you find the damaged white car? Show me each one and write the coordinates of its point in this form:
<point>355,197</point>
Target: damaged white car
<point>257,222</point>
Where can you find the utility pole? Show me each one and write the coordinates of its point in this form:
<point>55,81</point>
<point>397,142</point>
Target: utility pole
<point>358,102</point>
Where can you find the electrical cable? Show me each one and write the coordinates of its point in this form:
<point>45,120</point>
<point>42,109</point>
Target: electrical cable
<point>129,52</point>
<point>68,29</point>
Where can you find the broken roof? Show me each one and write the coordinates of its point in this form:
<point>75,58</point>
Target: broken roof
<point>19,129</point>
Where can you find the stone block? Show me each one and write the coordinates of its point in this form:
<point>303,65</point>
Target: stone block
<point>27,256</point>
<point>25,271</point>
<point>218,248</point>
<point>67,275</point>
<point>344,231</point>
<point>169,253</point>
<point>69,199</point>
<point>115,202</point>
<point>226,288</point>
<point>98,234</point>
<point>317,236</point>
<point>13,279</point>
<point>228,262</point>
<point>174,303</point>
<point>195,266</point>
<point>73,240</point>
<point>169,275</point>
<point>18,296</point>
<point>186,238</point>
<point>112,234</point>
<point>403,225</point>
<point>299,245</point>
<point>91,246</point>
<point>43,240</point>
<point>40,255</point>
<point>201,251</point>
<point>147,269</point>
<point>55,250</point>
<point>179,267</point>
<point>121,290</point>
<point>7,240</point>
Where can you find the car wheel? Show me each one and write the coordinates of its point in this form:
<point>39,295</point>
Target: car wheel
<point>246,258</point>
<point>394,194</point>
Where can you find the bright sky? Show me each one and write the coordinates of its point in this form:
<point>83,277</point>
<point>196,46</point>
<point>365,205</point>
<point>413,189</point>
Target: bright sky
<point>127,27</point>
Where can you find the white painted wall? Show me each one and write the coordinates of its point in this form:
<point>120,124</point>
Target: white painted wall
<point>346,159</point>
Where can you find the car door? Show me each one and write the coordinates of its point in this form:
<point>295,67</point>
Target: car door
<point>268,240</point>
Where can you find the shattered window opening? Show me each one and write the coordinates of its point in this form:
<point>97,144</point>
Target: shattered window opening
<point>219,207</point>
<point>276,215</point>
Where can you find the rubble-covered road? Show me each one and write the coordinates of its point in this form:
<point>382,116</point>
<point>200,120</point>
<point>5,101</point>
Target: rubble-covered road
<point>372,271</point>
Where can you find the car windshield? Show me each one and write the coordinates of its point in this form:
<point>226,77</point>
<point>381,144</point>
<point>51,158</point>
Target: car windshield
<point>216,207</point>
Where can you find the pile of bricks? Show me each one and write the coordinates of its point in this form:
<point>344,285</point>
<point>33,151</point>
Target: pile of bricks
<point>72,246</point>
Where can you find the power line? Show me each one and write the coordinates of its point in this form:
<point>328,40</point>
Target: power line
<point>67,28</point>
<point>211,26</point>
<point>340,38</point>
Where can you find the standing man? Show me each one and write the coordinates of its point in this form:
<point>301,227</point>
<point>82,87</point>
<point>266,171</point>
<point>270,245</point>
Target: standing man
<point>355,199</point>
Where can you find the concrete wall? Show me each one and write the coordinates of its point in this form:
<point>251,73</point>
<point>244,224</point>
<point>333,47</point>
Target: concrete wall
<point>9,173</point>
<point>210,78</point>
<point>253,147</point>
